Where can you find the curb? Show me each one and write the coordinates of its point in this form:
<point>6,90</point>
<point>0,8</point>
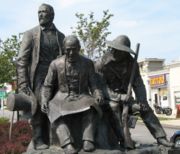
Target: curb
<point>170,126</point>
<point>164,125</point>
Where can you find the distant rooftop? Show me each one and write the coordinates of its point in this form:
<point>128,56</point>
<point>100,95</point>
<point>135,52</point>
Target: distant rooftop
<point>150,59</point>
<point>174,63</point>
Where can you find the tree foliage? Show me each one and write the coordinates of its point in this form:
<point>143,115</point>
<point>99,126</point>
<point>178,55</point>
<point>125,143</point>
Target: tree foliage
<point>8,51</point>
<point>92,33</point>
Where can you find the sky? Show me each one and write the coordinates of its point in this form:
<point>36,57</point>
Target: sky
<point>155,24</point>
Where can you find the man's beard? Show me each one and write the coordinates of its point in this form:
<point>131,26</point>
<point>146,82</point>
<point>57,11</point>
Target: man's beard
<point>45,22</point>
<point>73,59</point>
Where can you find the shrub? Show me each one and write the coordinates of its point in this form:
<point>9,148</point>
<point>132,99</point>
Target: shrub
<point>21,136</point>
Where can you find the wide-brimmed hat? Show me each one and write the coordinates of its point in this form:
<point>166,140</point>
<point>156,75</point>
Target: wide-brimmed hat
<point>21,102</point>
<point>122,43</point>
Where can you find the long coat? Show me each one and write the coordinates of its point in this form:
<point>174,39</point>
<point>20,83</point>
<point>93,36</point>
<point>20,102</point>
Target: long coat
<point>29,55</point>
<point>55,91</point>
<point>114,77</point>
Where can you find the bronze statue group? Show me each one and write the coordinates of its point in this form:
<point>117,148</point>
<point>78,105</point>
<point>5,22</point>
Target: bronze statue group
<point>73,94</point>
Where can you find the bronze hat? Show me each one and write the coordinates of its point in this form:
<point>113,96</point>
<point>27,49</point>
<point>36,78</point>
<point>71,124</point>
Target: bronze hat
<point>21,102</point>
<point>122,43</point>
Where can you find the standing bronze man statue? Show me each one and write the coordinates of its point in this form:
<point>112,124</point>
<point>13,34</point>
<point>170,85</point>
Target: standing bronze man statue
<point>39,47</point>
<point>70,90</point>
<point>115,70</point>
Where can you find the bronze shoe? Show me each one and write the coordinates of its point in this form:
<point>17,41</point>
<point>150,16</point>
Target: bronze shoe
<point>88,146</point>
<point>164,141</point>
<point>69,149</point>
<point>40,145</point>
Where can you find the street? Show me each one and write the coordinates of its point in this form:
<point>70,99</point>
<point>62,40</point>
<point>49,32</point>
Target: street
<point>142,135</point>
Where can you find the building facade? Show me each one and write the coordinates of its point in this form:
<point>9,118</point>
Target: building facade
<point>162,83</point>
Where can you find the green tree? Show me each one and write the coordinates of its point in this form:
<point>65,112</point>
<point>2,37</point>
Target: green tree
<point>92,33</point>
<point>8,52</point>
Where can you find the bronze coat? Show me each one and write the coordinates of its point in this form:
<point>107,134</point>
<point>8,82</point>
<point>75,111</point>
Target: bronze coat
<point>29,55</point>
<point>114,77</point>
<point>55,90</point>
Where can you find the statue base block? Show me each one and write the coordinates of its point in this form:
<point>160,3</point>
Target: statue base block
<point>143,149</point>
<point>174,151</point>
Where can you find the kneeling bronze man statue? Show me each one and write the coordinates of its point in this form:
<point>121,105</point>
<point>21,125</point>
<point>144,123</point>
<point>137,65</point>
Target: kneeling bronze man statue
<point>115,70</point>
<point>66,94</point>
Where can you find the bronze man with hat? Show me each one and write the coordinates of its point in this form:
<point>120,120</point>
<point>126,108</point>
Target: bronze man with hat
<point>70,90</point>
<point>115,70</point>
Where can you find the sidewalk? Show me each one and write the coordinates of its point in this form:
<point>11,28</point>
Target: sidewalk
<point>8,114</point>
<point>172,123</point>
<point>169,121</point>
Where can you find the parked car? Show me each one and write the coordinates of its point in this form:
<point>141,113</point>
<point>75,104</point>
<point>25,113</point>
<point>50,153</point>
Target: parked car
<point>176,139</point>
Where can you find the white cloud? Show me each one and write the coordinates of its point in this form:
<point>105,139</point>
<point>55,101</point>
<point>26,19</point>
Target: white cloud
<point>68,3</point>
<point>126,24</point>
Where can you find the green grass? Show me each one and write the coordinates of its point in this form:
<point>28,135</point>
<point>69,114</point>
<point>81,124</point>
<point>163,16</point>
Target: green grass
<point>3,120</point>
<point>166,118</point>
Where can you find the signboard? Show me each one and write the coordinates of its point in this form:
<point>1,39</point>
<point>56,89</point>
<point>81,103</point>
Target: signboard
<point>177,102</point>
<point>5,88</point>
<point>158,80</point>
<point>3,94</point>
<point>177,97</point>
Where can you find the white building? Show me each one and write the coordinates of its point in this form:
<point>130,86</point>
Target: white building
<point>162,82</point>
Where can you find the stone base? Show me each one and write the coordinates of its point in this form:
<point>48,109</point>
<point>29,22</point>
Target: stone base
<point>174,151</point>
<point>143,149</point>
